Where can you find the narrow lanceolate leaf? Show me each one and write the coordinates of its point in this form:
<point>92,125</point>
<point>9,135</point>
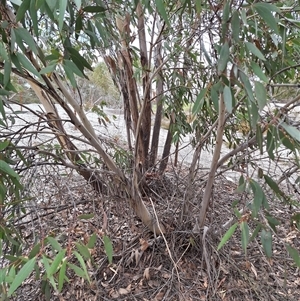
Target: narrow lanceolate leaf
<point>6,169</point>
<point>292,131</point>
<point>199,102</point>
<point>27,64</point>
<point>83,250</point>
<point>7,72</point>
<point>254,50</point>
<point>25,36</point>
<point>62,10</point>
<point>160,5</point>
<point>48,69</point>
<point>224,58</point>
<point>54,243</point>
<point>272,184</point>
<point>235,26</point>
<point>56,262</point>
<point>258,197</point>
<point>3,53</point>
<point>261,95</point>
<point>78,59</point>
<point>247,85</point>
<point>245,235</point>
<point>227,236</point>
<point>227,99</point>
<point>62,275</point>
<point>270,143</point>
<point>294,254</point>
<point>266,240</point>
<point>265,11</point>
<point>83,265</point>
<point>33,15</point>
<point>258,72</point>
<point>92,241</point>
<point>108,248</point>
<point>22,10</point>
<point>259,138</point>
<point>22,275</point>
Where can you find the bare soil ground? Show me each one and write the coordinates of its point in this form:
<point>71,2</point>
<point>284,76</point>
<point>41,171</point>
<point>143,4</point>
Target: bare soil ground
<point>180,265</point>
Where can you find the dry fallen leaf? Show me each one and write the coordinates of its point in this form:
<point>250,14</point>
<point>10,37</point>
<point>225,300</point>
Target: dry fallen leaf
<point>147,273</point>
<point>124,291</point>
<point>144,244</point>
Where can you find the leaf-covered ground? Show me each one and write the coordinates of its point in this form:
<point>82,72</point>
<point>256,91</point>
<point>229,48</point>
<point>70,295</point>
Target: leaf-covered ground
<point>180,265</point>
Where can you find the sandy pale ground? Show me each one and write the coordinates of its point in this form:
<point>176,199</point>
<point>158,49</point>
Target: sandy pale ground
<point>116,129</point>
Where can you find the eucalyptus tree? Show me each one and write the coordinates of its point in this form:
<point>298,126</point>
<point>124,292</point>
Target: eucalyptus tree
<point>218,59</point>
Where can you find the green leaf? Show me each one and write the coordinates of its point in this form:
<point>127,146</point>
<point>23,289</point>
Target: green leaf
<point>292,131</point>
<point>265,11</point>
<point>227,236</point>
<point>49,69</point>
<point>22,275</point>
<point>255,232</point>
<point>77,270</point>
<point>224,58</point>
<point>78,26</point>
<point>247,85</point>
<point>25,36</point>
<point>245,235</point>
<point>266,240</point>
<point>258,197</point>
<point>35,250</point>
<point>294,254</point>
<point>254,50</point>
<point>272,184</point>
<point>33,15</point>
<point>94,9</point>
<point>7,73</point>
<point>108,248</point>
<point>27,64</point>
<point>162,11</point>
<point>258,72</point>
<point>92,241</point>
<point>71,65</point>
<point>273,222</point>
<point>215,96</point>
<point>3,52</point>
<point>270,143</point>
<point>86,216</point>
<point>70,76</point>
<point>83,250</point>
<point>78,3</point>
<point>199,102</point>
<point>6,169</point>
<point>56,262</point>
<point>254,116</point>
<point>62,275</point>
<point>259,138</point>
<point>235,26</point>
<point>54,243</point>
<point>83,265</point>
<point>227,99</point>
<point>261,95</point>
<point>62,10</point>
<point>4,144</point>
<point>78,59</point>
<point>12,40</point>
<point>22,10</point>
